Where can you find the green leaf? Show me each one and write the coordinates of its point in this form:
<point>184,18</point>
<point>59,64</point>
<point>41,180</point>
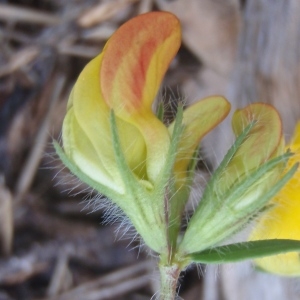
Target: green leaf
<point>246,250</point>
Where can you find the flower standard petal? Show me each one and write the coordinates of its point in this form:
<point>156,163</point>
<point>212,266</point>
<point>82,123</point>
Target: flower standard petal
<point>135,60</point>
<point>198,120</point>
<point>264,140</point>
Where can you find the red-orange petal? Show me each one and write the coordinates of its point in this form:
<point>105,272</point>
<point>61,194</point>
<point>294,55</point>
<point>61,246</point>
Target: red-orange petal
<point>135,60</point>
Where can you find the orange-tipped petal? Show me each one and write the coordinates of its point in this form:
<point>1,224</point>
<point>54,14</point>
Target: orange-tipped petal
<point>263,141</point>
<point>266,134</point>
<point>135,60</point>
<point>198,120</point>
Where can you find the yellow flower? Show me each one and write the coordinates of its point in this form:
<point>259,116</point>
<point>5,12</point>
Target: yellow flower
<point>282,220</point>
<point>130,167</point>
<point>126,77</point>
<point>239,188</point>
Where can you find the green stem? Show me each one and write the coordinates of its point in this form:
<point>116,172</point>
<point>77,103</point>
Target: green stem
<point>169,275</point>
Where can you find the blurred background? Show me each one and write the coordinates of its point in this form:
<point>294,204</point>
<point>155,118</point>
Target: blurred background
<point>53,243</point>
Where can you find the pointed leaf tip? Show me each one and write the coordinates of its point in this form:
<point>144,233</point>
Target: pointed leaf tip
<point>245,250</point>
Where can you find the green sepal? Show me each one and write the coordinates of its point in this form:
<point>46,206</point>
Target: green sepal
<point>240,187</point>
<point>166,174</point>
<point>179,198</point>
<point>222,212</point>
<point>145,203</point>
<point>131,183</point>
<point>160,111</point>
<point>245,250</point>
<point>218,222</point>
<point>165,184</point>
<point>225,162</point>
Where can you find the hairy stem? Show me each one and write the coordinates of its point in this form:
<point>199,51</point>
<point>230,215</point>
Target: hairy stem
<point>169,275</point>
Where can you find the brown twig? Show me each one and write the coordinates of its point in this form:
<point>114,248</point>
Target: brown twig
<point>6,219</point>
<point>34,158</point>
<point>20,14</point>
<point>111,285</point>
<point>19,60</point>
<point>102,12</point>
